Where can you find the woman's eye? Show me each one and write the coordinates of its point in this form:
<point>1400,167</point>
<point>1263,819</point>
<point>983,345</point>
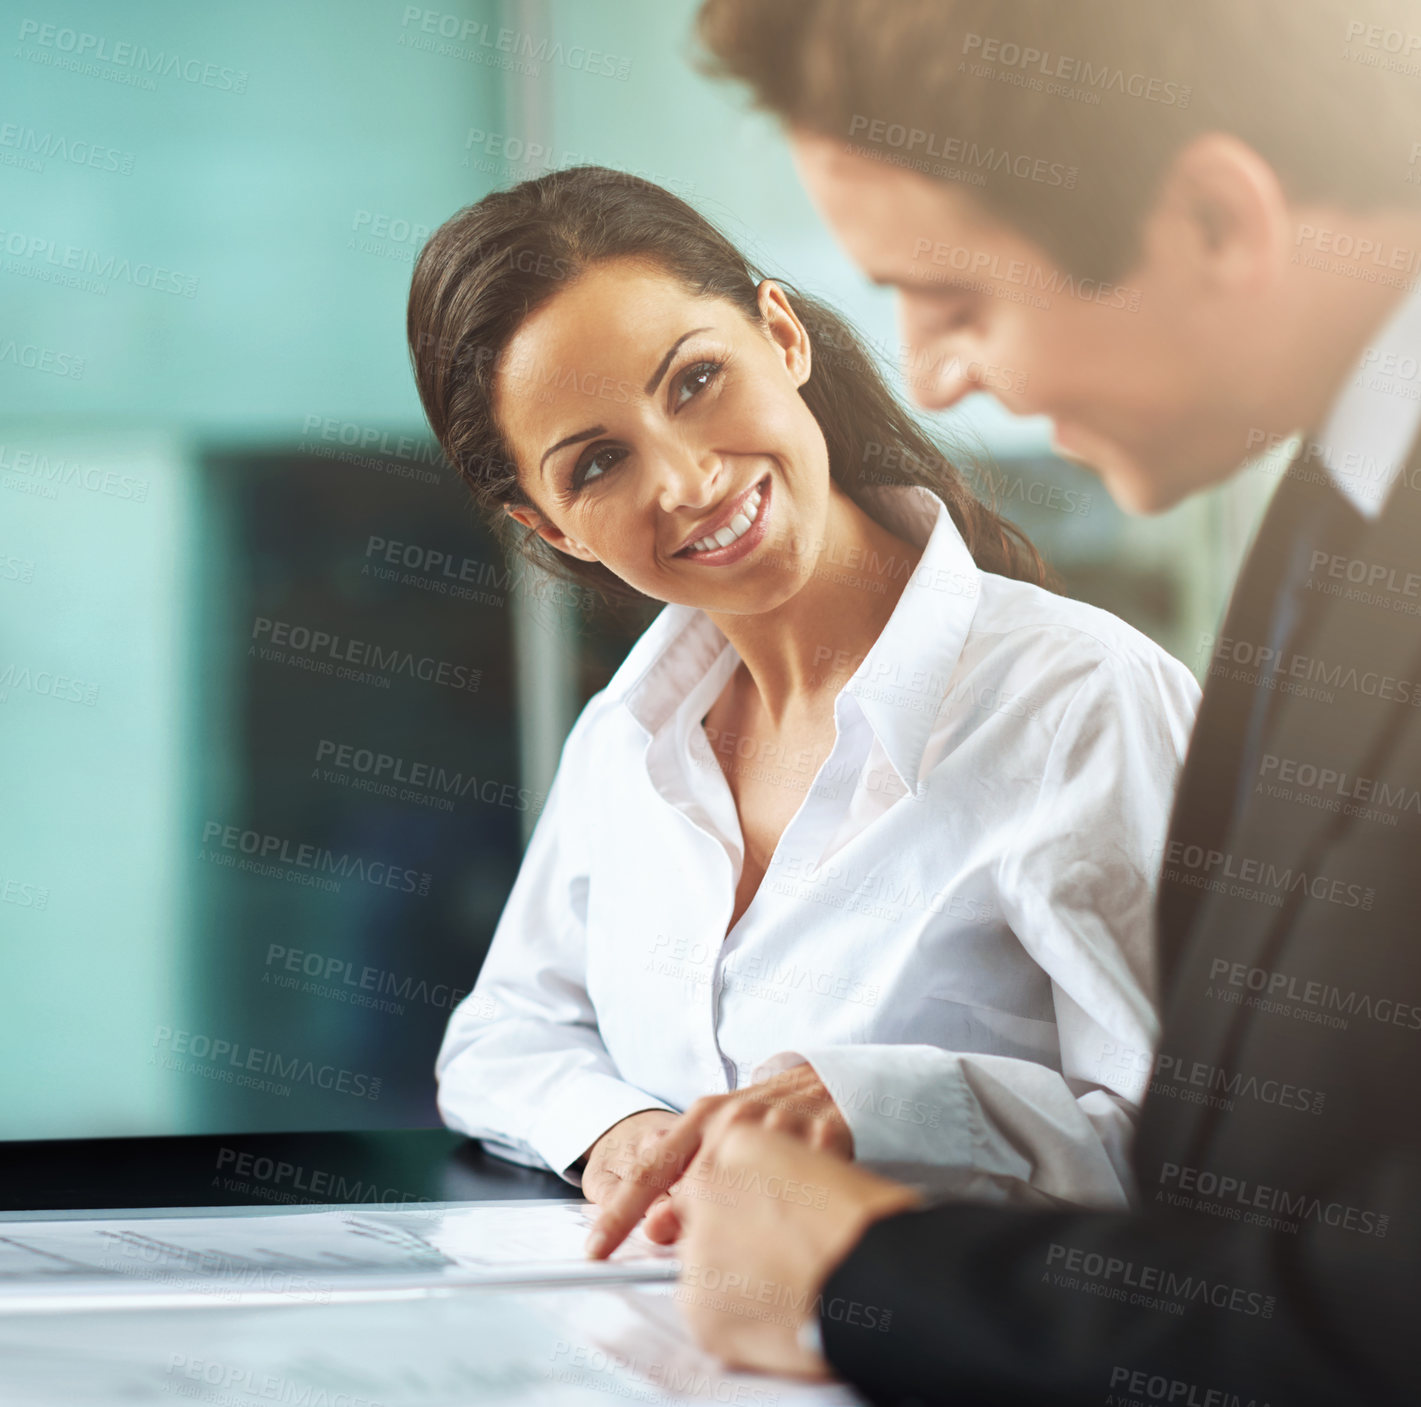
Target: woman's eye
<point>696,378</point>
<point>602,461</point>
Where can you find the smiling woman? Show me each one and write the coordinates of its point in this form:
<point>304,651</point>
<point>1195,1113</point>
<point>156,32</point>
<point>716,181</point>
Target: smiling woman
<point>487,272</point>
<point>858,841</point>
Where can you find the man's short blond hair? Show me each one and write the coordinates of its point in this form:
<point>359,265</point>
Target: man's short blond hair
<point>1062,115</point>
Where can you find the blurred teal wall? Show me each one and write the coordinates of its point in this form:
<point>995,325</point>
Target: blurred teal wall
<point>264,204</point>
<point>276,196</point>
<point>95,683</point>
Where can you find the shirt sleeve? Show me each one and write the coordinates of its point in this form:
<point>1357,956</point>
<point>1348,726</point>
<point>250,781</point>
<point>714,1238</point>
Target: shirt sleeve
<point>1077,886</point>
<point>522,1066</point>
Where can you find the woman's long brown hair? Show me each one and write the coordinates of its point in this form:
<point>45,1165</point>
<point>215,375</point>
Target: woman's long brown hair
<point>489,266</point>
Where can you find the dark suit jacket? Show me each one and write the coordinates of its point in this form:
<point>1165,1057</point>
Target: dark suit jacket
<point>1276,1252</point>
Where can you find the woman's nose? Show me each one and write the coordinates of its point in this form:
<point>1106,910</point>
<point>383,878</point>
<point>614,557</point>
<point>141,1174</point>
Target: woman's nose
<point>686,478</point>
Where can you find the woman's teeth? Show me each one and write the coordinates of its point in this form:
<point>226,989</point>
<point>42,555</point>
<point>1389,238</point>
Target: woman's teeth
<point>738,526</point>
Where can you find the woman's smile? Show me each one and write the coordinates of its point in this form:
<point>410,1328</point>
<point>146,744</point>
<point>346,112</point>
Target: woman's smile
<point>738,531</point>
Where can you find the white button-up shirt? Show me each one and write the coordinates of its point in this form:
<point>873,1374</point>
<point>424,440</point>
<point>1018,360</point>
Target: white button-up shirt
<point>955,928</point>
<point>1372,424</point>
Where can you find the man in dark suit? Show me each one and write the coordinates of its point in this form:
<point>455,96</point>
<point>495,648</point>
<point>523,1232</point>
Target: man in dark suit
<point>1187,231</point>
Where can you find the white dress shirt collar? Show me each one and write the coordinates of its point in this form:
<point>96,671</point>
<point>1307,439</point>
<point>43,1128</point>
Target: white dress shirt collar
<point>1372,425</point>
<point>910,662</point>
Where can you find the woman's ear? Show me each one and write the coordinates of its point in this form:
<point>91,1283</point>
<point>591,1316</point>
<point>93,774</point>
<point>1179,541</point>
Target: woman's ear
<point>784,329</point>
<point>553,536</point>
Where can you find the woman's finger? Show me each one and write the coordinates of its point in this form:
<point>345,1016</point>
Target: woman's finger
<point>599,1183</point>
<point>651,1176</point>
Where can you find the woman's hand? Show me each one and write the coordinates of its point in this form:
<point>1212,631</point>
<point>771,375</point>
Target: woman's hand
<point>794,1102</point>
<point>620,1149</point>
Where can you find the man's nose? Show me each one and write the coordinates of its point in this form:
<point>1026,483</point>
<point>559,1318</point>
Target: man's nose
<point>941,373</point>
<point>941,363</point>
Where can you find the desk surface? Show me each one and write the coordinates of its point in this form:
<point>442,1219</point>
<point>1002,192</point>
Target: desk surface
<point>573,1345</point>
<point>273,1169</point>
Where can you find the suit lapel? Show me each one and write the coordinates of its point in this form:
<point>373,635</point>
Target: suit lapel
<point>1207,784</point>
<point>1348,693</point>
<point>1353,646</point>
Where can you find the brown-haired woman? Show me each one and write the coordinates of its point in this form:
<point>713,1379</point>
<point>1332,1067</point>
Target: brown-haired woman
<point>861,838</point>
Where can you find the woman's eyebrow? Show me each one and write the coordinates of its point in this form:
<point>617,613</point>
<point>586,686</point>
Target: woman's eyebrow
<point>666,360</point>
<point>572,440</point>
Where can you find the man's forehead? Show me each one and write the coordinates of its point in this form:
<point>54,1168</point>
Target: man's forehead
<point>877,198</point>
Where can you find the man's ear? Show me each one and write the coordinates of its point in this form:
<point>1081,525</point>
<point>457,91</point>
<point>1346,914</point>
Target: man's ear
<point>1221,217</point>
<point>553,536</point>
<point>785,330</point>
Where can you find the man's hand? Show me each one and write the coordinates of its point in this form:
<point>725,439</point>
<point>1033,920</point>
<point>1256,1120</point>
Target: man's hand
<point>620,1149</point>
<point>793,1102</point>
<point>753,1262</point>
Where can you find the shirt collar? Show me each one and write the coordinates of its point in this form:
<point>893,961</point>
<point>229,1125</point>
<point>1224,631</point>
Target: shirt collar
<point>901,683</point>
<point>1369,431</point>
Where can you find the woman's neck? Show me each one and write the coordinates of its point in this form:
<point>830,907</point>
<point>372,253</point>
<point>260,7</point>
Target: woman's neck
<point>800,654</point>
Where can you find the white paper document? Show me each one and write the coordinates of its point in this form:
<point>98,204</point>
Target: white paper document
<point>265,1256</point>
<point>479,1347</point>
